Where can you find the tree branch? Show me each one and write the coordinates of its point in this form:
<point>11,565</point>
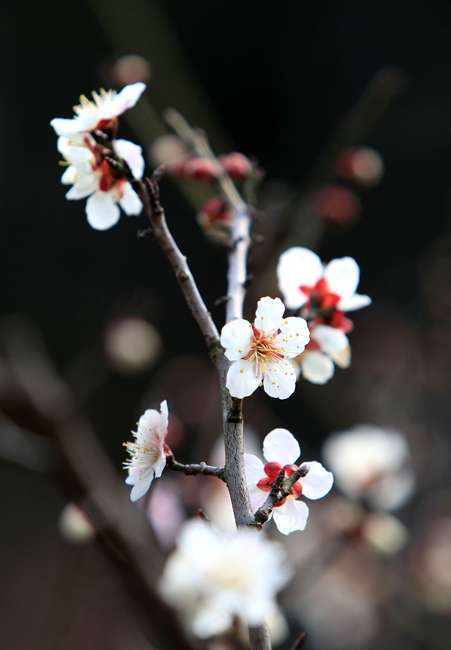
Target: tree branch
<point>194,469</point>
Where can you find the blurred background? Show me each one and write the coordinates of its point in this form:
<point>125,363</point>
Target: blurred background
<point>305,89</point>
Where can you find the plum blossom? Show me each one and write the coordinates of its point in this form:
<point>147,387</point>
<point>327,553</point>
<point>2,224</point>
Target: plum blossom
<point>327,292</point>
<point>281,450</point>
<point>88,170</point>
<point>373,464</point>
<point>148,457</point>
<point>327,346</point>
<point>261,351</point>
<point>212,580</point>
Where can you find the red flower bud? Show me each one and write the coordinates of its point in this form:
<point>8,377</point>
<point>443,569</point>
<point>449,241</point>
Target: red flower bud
<point>338,204</point>
<point>362,166</point>
<point>201,169</point>
<point>272,469</point>
<point>215,212</point>
<point>237,165</point>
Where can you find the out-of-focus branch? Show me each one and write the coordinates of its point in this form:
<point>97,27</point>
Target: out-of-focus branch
<point>34,397</point>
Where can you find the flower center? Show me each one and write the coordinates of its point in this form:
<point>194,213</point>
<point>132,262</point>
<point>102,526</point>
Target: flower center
<point>264,348</point>
<point>319,296</point>
<point>272,471</point>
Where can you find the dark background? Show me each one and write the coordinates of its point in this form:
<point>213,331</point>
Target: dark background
<point>278,78</point>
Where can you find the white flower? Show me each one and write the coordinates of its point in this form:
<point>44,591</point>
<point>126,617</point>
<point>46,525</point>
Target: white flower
<point>281,449</point>
<point>327,345</point>
<point>304,281</point>
<point>91,115</point>
<point>213,580</point>
<point>148,457</point>
<point>372,463</point>
<point>88,172</point>
<point>262,351</point>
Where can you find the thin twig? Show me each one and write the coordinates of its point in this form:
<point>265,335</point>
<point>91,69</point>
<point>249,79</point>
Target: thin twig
<point>278,492</point>
<point>194,469</point>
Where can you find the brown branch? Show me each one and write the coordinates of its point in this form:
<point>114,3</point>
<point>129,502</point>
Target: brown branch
<point>278,492</point>
<point>194,469</point>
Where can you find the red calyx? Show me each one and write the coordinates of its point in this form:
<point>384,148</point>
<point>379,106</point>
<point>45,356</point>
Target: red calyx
<point>272,470</point>
<point>109,127</point>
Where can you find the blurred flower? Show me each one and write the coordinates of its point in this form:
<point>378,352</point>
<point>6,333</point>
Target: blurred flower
<point>166,512</point>
<point>97,114</point>
<point>130,69</point>
<point>337,204</point>
<point>237,165</point>
<point>327,292</point>
<point>132,344</point>
<point>147,453</point>
<point>281,449</point>
<point>360,165</point>
<point>213,580</point>
<point>261,351</point>
<point>74,526</point>
<point>167,150</point>
<point>201,169</point>
<point>88,171</point>
<point>326,346</point>
<point>371,463</point>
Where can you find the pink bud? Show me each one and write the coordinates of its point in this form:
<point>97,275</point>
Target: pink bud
<point>237,165</point>
<point>202,169</point>
<point>215,212</point>
<point>338,204</point>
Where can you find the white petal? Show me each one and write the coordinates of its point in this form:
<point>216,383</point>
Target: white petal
<point>243,378</point>
<point>236,338</point>
<point>254,468</point>
<point>330,339</point>
<point>342,358</point>
<point>130,201</point>
<point>342,276</point>
<point>298,267</point>
<point>291,516</point>
<point>132,154</point>
<point>354,302</point>
<point>141,485</point>
<point>257,497</point>
<point>269,314</point>
<point>70,176</point>
<point>318,481</point>
<point>280,446</point>
<point>79,124</point>
<point>82,159</point>
<point>210,620</point>
<point>164,417</point>
<point>280,379</point>
<point>102,211</point>
<point>317,367</point>
<point>294,336</point>
<point>85,185</point>
<point>122,101</point>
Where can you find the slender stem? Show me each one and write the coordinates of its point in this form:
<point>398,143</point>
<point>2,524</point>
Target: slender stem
<point>237,273</point>
<point>194,469</point>
<point>278,492</point>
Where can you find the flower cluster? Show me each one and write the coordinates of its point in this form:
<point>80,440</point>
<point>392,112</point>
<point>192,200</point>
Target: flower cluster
<point>261,351</point>
<point>212,581</point>
<point>148,457</point>
<point>193,168</point>
<point>281,450</point>
<point>86,141</point>
<point>323,294</point>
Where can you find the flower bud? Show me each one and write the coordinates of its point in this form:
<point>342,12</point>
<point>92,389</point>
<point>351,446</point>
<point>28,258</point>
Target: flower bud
<point>201,169</point>
<point>338,204</point>
<point>215,213</point>
<point>237,165</point>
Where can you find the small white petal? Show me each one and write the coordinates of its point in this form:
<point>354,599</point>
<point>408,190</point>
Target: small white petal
<point>236,338</point>
<point>130,201</point>
<point>257,497</point>
<point>291,516</point>
<point>70,176</point>
<point>269,314</point>
<point>342,358</point>
<point>121,102</point>
<point>298,267</point>
<point>294,336</point>
<point>317,367</point>
<point>330,339</point>
<point>85,185</point>
<point>280,379</point>
<point>141,486</point>
<point>210,621</point>
<point>318,481</point>
<point>352,303</point>
<point>342,276</point>
<point>102,211</point>
<point>132,154</point>
<point>254,468</point>
<point>280,446</point>
<point>243,378</point>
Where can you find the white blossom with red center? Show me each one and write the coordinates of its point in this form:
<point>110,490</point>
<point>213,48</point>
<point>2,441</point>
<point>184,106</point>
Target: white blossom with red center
<point>261,351</point>
<point>148,458</point>
<point>327,346</point>
<point>281,450</point>
<point>326,291</point>
<point>88,172</point>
